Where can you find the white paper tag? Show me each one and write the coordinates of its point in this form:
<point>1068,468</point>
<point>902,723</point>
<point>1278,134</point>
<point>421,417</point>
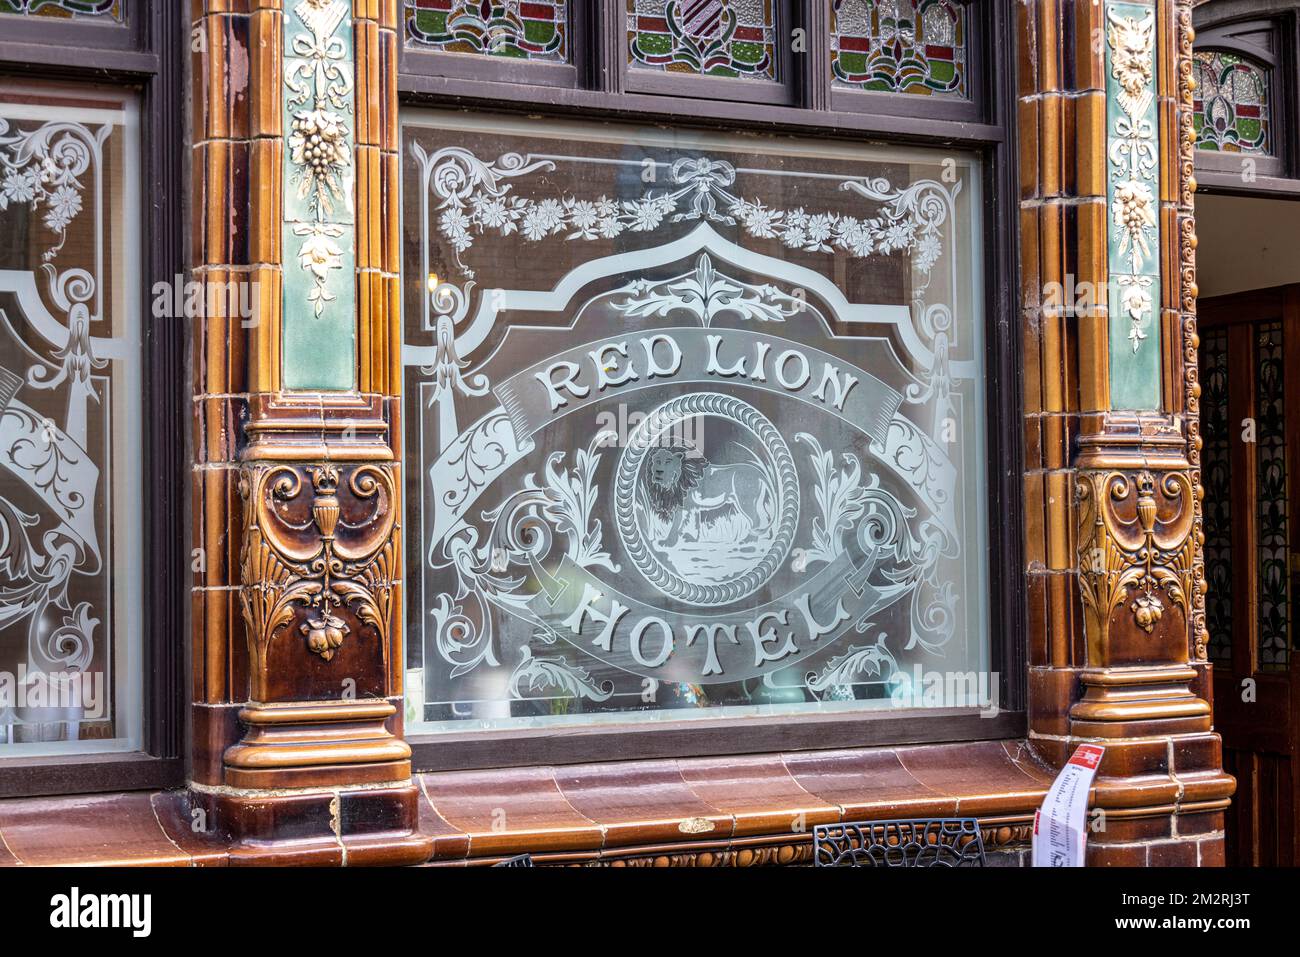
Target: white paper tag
<point>1061,824</point>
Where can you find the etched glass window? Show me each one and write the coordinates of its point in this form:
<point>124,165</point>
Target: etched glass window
<point>900,46</point>
<point>694,425</point>
<point>111,9</point>
<point>69,421</point>
<point>728,38</point>
<point>1217,473</point>
<point>523,29</point>
<point>1231,107</point>
<point>1274,612</point>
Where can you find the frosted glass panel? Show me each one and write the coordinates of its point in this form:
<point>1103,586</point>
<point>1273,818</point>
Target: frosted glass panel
<point>70,453</point>
<point>694,425</point>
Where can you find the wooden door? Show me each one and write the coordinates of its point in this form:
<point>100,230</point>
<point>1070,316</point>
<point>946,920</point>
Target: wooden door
<point>1250,423</point>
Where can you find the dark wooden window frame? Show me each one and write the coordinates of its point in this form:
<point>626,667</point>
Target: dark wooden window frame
<point>148,53</point>
<point>1277,175</point>
<point>994,139</point>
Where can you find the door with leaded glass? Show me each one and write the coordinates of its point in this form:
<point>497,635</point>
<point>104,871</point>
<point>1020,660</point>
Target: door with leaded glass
<point>1250,409</point>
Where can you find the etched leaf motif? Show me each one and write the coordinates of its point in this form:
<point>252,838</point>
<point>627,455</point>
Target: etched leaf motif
<point>707,294</point>
<point>536,674</point>
<point>840,498</point>
<point>572,498</point>
<point>873,660</point>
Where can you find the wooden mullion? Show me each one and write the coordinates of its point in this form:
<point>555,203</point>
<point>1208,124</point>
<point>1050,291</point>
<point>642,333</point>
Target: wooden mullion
<point>813,66</point>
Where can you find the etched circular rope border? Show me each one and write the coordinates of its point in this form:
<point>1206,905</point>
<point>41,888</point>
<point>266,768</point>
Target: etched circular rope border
<point>640,443</point>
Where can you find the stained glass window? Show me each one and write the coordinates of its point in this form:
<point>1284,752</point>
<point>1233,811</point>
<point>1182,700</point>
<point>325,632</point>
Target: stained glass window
<point>64,8</point>
<point>1274,615</point>
<point>524,29</point>
<point>900,46</point>
<point>70,473</point>
<point>1217,474</point>
<point>729,38</point>
<point>694,425</point>
<point>1231,109</point>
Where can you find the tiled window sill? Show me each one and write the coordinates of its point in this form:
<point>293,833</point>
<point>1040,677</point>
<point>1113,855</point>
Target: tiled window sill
<point>730,806</point>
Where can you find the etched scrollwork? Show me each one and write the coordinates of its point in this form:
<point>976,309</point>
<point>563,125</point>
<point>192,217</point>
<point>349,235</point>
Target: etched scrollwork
<point>307,557</point>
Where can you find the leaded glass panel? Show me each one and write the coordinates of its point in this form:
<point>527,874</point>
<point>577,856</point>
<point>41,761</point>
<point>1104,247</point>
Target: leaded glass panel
<point>1216,470</point>
<point>111,9</point>
<point>70,457</point>
<point>523,29</point>
<point>900,46</point>
<point>1274,615</point>
<point>1231,106</point>
<point>695,425</point>
<point>727,38</point>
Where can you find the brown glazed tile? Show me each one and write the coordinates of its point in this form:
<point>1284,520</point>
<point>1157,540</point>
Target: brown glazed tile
<point>1035,521</point>
<point>1029,159</point>
<point>186,830</point>
<point>865,784</point>
<point>1050,141</point>
<point>1201,786</point>
<point>1137,758</point>
<point>97,829</point>
<point>1031,280</point>
<point>758,792</point>
<point>1193,825</point>
<point>1116,855</point>
<point>6,858</point>
<point>641,802</point>
<point>376,812</point>
<point>1055,440</point>
<point>1197,752</point>
<point>1051,752</point>
<point>1051,692</point>
<point>980,775</point>
<point>1060,527</point>
<point>1090,144</point>
<point>503,810</point>
<point>1211,852</point>
<point>1036,607</point>
<point>1173,854</point>
<point>1049,44</point>
<point>290,818</point>
<point>1033,442</point>
<point>448,842</point>
<point>1130,830</point>
<point>1089,60</point>
<point>1020,754</point>
<point>215,727</point>
<point>1061,599</point>
<point>265,33</point>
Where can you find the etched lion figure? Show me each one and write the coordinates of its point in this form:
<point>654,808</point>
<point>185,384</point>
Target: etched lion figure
<point>682,490</point>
